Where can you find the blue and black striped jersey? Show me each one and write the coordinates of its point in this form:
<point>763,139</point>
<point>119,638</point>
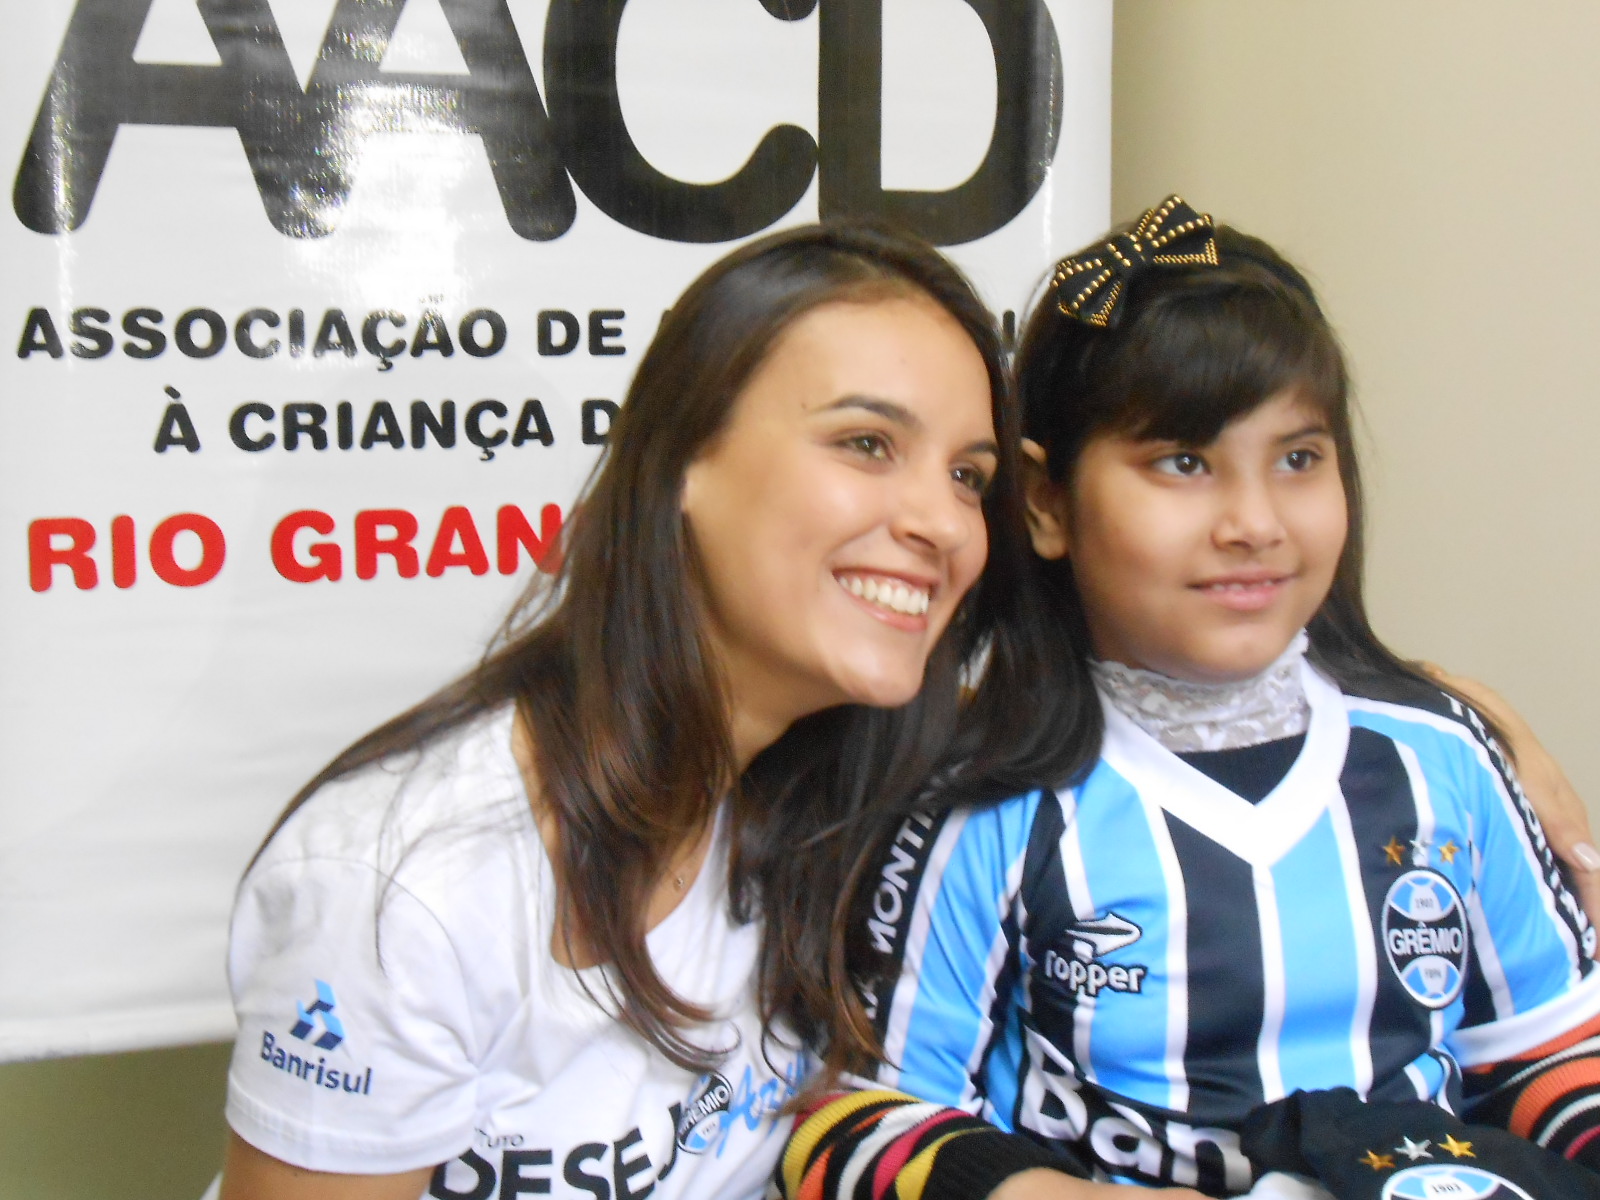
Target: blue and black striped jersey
<point>1126,968</point>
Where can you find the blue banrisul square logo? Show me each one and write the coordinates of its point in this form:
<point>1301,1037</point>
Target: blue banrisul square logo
<point>319,1009</point>
<point>355,1080</point>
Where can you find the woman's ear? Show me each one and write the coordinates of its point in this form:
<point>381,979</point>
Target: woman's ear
<point>689,487</point>
<point>1047,504</point>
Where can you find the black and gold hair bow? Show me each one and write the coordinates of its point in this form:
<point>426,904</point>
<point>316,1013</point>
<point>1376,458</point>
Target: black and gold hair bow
<point>1088,285</point>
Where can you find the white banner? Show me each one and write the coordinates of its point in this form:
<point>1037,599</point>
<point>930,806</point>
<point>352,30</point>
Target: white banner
<point>318,311</point>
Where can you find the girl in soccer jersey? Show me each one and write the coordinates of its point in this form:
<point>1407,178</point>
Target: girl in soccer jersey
<point>1288,909</point>
<point>563,927</point>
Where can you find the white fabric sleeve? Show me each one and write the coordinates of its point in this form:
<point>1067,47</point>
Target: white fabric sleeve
<point>355,1049</point>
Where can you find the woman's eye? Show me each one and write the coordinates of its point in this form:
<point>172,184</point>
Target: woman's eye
<point>1301,460</point>
<point>1183,463</point>
<point>868,445</point>
<point>971,478</point>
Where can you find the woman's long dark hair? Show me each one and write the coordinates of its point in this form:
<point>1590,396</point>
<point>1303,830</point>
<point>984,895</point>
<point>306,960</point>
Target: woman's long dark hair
<point>1195,348</point>
<point>611,672</point>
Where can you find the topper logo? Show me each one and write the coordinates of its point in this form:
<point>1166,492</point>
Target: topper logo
<point>303,145</point>
<point>1097,938</point>
<point>1083,973</point>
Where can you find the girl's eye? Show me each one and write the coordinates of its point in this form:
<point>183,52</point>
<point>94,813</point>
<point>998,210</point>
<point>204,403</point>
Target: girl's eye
<point>1302,459</point>
<point>971,478</point>
<point>1182,463</point>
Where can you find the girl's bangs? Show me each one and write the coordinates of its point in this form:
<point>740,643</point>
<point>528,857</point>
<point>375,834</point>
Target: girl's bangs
<point>1192,363</point>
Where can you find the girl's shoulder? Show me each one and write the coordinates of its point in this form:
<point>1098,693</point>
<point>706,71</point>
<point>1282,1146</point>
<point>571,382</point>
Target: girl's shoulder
<point>1399,691</point>
<point>1443,731</point>
<point>981,845</point>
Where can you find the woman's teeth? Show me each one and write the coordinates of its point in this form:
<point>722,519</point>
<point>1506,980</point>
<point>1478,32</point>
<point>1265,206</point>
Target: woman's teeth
<point>1240,585</point>
<point>887,593</point>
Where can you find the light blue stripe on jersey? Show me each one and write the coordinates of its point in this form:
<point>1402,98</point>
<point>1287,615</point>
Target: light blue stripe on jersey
<point>1319,972</point>
<point>1527,938</point>
<point>1122,862</point>
<point>950,1012</point>
<point>1003,1079</point>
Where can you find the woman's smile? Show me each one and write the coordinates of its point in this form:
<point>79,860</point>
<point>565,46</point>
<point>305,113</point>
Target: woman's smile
<point>901,602</point>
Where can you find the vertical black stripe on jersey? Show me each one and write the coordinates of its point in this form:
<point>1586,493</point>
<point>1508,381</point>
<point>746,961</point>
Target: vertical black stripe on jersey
<point>1477,998</point>
<point>1047,913</point>
<point>1226,980</point>
<point>1454,1084</point>
<point>1377,792</point>
<point>916,837</point>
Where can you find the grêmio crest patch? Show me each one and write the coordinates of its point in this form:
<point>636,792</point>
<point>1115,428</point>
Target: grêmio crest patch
<point>1450,1181</point>
<point>1425,937</point>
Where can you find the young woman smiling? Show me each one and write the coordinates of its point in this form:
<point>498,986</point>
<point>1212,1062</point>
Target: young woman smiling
<point>568,920</point>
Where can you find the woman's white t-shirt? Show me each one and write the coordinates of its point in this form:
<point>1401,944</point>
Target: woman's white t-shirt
<point>399,1007</point>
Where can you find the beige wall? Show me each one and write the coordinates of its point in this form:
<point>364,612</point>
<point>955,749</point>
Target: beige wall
<point>1433,164</point>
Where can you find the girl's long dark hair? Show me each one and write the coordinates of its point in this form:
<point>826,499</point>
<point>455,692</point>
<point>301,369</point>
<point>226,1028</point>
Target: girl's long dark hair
<point>610,670</point>
<point>1194,348</point>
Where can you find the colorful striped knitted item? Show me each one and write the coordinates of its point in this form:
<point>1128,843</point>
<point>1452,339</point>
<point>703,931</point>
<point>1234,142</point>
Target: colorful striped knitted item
<point>883,1145</point>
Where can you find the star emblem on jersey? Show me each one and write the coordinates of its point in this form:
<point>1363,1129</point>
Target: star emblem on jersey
<point>1459,1149</point>
<point>1425,936</point>
<point>1378,1162</point>
<point>1395,852</point>
<point>1449,850</point>
<point>1414,1150</point>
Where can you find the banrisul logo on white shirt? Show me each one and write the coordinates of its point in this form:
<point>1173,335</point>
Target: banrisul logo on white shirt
<point>319,1010</point>
<point>316,1027</point>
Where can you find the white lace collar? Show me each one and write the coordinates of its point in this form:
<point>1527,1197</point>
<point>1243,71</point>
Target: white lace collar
<point>1185,716</point>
